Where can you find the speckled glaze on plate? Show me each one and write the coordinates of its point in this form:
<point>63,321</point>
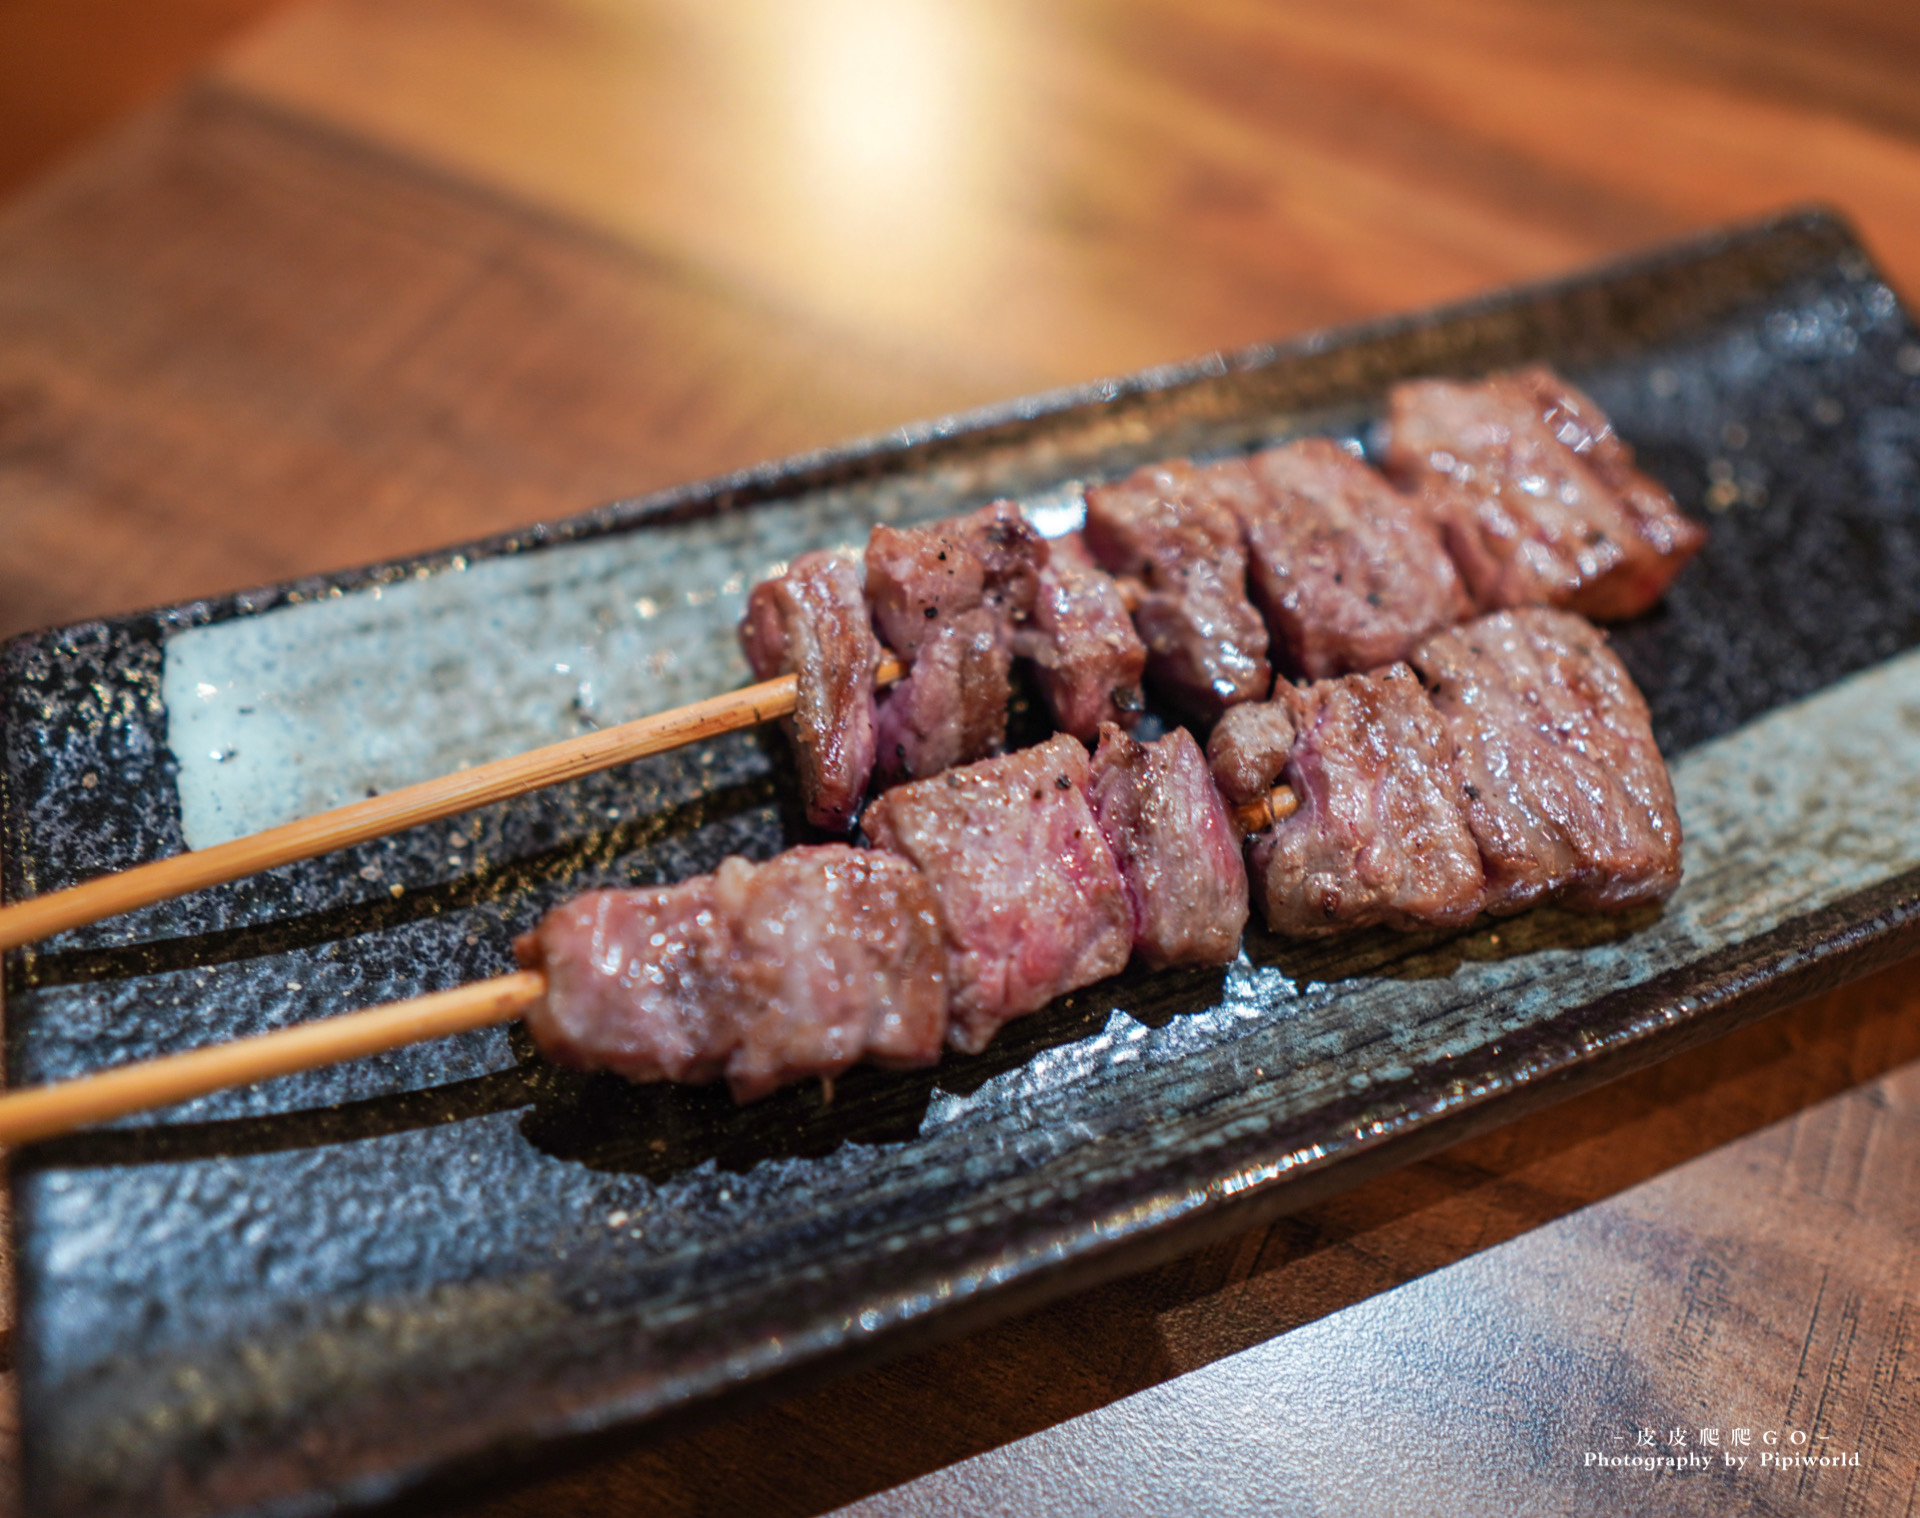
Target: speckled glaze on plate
<point>335,1288</point>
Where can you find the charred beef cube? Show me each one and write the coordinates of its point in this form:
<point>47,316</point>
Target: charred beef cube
<point>1087,658</point>
<point>1177,850</point>
<point>766,973</point>
<point>812,622</point>
<point>1175,529</point>
<point>1566,793</point>
<point>1540,502</point>
<point>1349,572</point>
<point>1032,903</point>
<point>1381,834</point>
<point>948,598</point>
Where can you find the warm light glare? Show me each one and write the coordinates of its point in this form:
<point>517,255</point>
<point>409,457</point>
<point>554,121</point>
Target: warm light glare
<point>876,93</point>
<point>885,137</point>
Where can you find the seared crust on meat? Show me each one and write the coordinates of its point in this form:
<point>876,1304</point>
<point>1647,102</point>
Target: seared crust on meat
<point>1349,572</point>
<point>948,598</point>
<point>765,973</point>
<point>1249,747</point>
<point>1381,835</point>
<point>1539,499</point>
<point>1087,659</point>
<point>1566,792</point>
<point>1175,845</point>
<point>1173,528</point>
<point>812,622</point>
<point>1031,899</point>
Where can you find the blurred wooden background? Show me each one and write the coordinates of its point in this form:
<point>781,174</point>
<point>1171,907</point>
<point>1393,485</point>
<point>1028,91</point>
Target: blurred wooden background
<point>292,286</point>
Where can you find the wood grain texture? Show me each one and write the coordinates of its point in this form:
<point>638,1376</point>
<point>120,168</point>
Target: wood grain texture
<point>410,272</point>
<point>69,68</point>
<point>235,348</point>
<point>1089,188</point>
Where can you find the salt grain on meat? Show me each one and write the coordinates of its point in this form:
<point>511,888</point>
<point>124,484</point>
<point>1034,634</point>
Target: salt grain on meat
<point>1175,846</point>
<point>764,973</point>
<point>1566,792</point>
<point>1540,501</point>
<point>1031,900</point>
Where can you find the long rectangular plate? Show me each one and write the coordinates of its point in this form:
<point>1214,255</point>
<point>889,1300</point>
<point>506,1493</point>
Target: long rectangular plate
<point>333,1288</point>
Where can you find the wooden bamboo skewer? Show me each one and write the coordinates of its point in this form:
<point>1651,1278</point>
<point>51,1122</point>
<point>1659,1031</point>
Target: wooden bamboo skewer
<point>43,1111</point>
<point>447,796</point>
<point>41,916</point>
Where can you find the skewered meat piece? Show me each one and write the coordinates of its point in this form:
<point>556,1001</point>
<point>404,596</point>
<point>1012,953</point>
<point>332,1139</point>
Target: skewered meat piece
<point>1087,658</point>
<point>952,706</point>
<point>1248,749</point>
<point>948,598</point>
<point>1565,790</point>
<point>1539,500</point>
<point>766,973</point>
<point>1031,900</point>
<point>813,622</point>
<point>1349,572</point>
<point>1175,845</point>
<point>1381,835</point>
<point>1175,528</point>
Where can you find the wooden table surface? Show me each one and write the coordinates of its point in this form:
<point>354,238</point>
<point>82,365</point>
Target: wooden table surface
<point>389,274</point>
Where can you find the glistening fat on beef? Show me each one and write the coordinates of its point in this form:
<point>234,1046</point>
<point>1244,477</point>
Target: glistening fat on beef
<point>1174,529</point>
<point>1349,572</point>
<point>1566,792</point>
<point>812,622</point>
<point>1175,845</point>
<point>1380,836</point>
<point>764,973</point>
<point>948,599</point>
<point>1539,499</point>
<point>1032,903</point>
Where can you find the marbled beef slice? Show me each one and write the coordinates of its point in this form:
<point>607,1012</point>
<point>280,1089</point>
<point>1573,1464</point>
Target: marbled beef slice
<point>1349,572</point>
<point>1087,658</point>
<point>1174,529</point>
<point>1539,499</point>
<point>1030,898</point>
<point>1381,835</point>
<point>1567,794</point>
<point>813,622</point>
<point>1175,846</point>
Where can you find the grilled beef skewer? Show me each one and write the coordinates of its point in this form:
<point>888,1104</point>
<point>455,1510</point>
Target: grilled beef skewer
<point>1300,556</point>
<point>1523,770</point>
<point>991,890</point>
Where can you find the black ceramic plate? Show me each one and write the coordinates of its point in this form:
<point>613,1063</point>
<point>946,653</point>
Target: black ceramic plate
<point>335,1287</point>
